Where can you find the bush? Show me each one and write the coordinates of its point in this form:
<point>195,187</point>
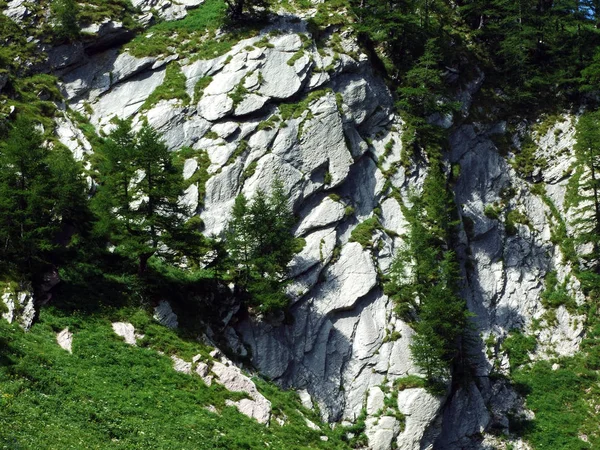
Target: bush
<point>363,232</point>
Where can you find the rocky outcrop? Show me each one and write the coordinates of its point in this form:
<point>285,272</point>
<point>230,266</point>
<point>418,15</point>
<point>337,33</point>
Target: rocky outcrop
<point>65,340</point>
<point>19,305</point>
<point>127,332</point>
<point>322,122</point>
<point>165,315</point>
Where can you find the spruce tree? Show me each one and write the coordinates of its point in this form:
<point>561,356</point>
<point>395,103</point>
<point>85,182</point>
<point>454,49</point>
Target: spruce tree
<point>41,189</point>
<point>586,192</point>
<point>261,244</point>
<point>138,198</point>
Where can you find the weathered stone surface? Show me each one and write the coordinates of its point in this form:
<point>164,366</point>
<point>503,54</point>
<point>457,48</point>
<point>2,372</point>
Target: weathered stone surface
<point>215,107</point>
<point>257,407</point>
<point>16,10</point>
<point>125,99</point>
<point>317,251</point>
<point>250,104</point>
<point>20,306</point>
<point>165,315</point>
<point>280,80</point>
<point>126,331</point>
<point>420,408</point>
<point>65,340</point>
<point>180,365</point>
<point>381,432</point>
<point>375,398</point>
<point>189,168</point>
<point>327,212</point>
<point>72,137</point>
<point>351,277</point>
<point>305,398</point>
<point>190,199</point>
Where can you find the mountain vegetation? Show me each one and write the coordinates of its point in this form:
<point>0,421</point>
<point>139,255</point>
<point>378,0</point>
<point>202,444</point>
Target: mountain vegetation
<point>116,230</point>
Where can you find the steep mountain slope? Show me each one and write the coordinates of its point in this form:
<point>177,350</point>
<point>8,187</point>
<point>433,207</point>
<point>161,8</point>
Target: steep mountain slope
<point>311,111</point>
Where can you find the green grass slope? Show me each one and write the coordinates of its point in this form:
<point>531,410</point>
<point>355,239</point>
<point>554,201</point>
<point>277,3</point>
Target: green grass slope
<point>109,395</point>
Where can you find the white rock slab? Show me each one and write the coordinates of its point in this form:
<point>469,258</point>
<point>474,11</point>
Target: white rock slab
<point>65,340</point>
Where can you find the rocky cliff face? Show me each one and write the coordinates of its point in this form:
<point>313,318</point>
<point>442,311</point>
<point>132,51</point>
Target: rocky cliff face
<point>317,117</point>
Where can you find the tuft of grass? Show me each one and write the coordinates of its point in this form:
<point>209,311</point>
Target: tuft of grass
<point>363,232</point>
<point>201,84</point>
<point>172,87</point>
<point>518,346</point>
<point>515,217</point>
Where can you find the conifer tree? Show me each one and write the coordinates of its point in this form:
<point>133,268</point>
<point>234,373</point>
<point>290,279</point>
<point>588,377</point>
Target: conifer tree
<point>41,188</point>
<point>587,191</point>
<point>261,244</point>
<point>423,280</point>
<point>138,194</point>
<point>66,14</point>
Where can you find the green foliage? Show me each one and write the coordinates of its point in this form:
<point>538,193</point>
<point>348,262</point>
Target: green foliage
<point>514,217</point>
<point>518,346</point>
<point>557,294</point>
<point>201,84</point>
<point>137,200</point>
<point>194,35</point>
<point>173,87</point>
<point>261,244</point>
<point>584,191</point>
<point>560,400</point>
<point>492,212</point>
<point>295,110</point>
<point>41,191</point>
<point>238,94</point>
<point>237,9</point>
<point>423,281</point>
<point>408,382</point>
<point>66,15</point>
<point>111,395</point>
<point>363,232</point>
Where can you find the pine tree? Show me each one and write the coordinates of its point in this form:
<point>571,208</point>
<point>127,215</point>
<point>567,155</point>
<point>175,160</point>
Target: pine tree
<point>138,195</point>
<point>261,245</point>
<point>40,190</point>
<point>587,190</point>
<point>66,14</point>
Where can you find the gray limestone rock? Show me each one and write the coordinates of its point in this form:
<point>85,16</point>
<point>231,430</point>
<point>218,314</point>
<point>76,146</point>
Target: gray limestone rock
<point>65,340</point>
<point>180,365</point>
<point>381,432</point>
<point>165,315</point>
<point>257,406</point>
<point>126,331</point>
<point>420,408</point>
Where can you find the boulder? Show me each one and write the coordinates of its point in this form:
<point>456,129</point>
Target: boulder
<point>327,212</point>
<point>65,340</point>
<point>232,378</point>
<point>165,315</point>
<point>215,107</point>
<point>16,10</point>
<point>20,307</point>
<point>420,408</point>
<point>350,278</point>
<point>381,432</point>
<point>126,331</point>
<point>280,80</point>
<point>179,365</point>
